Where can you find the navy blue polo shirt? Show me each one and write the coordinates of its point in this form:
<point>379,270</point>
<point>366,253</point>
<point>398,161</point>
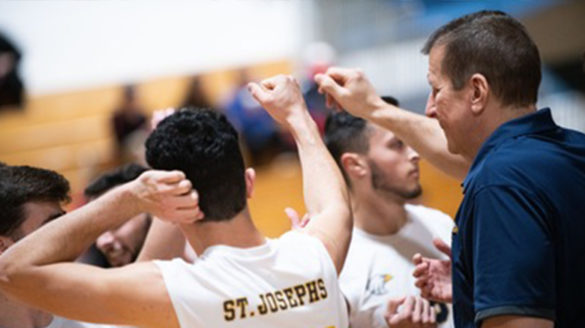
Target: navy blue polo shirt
<point>519,245</point>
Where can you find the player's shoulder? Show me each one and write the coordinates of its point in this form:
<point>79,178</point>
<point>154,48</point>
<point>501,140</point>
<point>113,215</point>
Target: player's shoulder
<point>304,247</point>
<point>426,212</point>
<point>430,216</point>
<point>174,266</point>
<point>299,240</point>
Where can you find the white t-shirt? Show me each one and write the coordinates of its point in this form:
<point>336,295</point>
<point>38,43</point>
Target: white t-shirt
<point>379,268</point>
<point>287,282</point>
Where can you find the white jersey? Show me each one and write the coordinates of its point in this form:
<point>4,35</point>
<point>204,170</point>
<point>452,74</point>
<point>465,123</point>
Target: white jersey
<point>287,282</point>
<point>379,268</point>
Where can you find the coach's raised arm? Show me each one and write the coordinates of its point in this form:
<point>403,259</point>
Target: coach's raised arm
<point>352,91</point>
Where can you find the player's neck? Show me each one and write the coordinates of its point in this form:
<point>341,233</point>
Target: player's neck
<point>14,315</point>
<point>240,231</point>
<point>376,215</point>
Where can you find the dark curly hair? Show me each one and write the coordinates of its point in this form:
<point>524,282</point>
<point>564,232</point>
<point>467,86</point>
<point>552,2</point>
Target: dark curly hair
<point>22,184</point>
<point>204,145</point>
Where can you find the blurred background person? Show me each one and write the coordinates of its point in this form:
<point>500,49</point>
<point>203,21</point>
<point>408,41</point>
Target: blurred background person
<point>261,134</point>
<point>196,96</point>
<point>11,87</point>
<point>129,123</point>
<point>317,58</point>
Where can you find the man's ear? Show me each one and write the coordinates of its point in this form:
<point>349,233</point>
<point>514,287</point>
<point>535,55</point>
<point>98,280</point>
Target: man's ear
<point>5,242</point>
<point>354,165</point>
<point>250,176</point>
<point>480,91</point>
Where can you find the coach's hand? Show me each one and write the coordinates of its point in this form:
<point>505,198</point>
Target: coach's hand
<point>167,195</point>
<point>410,312</point>
<point>349,89</point>
<point>281,96</point>
<point>433,277</point>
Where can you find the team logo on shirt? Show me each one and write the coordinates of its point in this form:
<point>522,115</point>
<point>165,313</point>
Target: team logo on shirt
<point>377,284</point>
<point>275,301</point>
<point>441,310</point>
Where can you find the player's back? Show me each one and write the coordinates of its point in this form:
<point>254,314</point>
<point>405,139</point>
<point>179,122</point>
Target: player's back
<point>287,282</point>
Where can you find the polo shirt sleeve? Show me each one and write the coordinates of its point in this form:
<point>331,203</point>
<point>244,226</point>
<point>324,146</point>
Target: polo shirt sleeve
<point>513,255</point>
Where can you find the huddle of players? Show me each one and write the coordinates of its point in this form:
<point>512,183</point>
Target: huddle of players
<point>345,134</point>
<point>356,191</point>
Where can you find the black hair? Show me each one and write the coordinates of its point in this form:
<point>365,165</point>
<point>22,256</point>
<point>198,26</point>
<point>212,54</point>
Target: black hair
<point>495,45</point>
<point>347,133</point>
<point>113,178</point>
<point>22,184</point>
<point>204,145</point>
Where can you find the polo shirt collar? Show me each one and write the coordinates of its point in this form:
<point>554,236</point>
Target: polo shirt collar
<point>532,123</point>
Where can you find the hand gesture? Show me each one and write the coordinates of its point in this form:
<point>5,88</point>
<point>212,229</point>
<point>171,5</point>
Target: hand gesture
<point>409,312</point>
<point>296,222</point>
<point>433,277</point>
<point>281,96</point>
<point>349,89</point>
<point>167,195</point>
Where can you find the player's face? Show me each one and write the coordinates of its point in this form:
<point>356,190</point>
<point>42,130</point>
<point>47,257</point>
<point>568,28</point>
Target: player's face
<point>120,246</point>
<point>393,165</point>
<point>450,107</point>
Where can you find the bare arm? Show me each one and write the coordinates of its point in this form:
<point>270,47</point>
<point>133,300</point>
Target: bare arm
<point>164,241</point>
<point>510,321</point>
<point>325,192</point>
<point>350,89</point>
<point>325,195</point>
<point>91,294</point>
<point>41,277</point>
<point>424,135</point>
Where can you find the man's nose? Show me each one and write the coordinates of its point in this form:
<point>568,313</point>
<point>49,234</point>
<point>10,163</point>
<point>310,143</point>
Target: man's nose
<point>105,240</point>
<point>413,155</point>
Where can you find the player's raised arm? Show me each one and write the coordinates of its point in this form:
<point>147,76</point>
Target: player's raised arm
<point>35,270</point>
<point>325,192</point>
<point>352,91</point>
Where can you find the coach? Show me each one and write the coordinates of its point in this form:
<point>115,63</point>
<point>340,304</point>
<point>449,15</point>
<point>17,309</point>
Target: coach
<point>520,238</point>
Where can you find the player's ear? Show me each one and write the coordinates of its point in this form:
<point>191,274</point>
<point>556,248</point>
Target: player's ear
<point>354,165</point>
<point>250,176</point>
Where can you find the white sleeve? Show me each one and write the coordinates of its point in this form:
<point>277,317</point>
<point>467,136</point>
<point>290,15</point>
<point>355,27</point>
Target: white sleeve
<point>178,285</point>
